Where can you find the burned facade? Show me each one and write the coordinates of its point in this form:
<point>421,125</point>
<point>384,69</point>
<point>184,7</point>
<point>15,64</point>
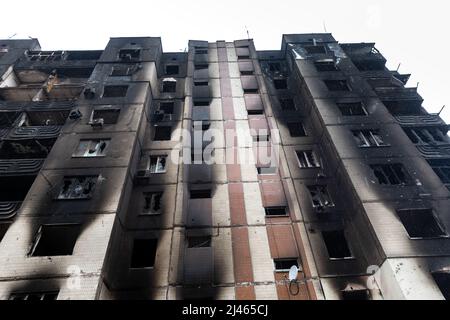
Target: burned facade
<point>106,191</point>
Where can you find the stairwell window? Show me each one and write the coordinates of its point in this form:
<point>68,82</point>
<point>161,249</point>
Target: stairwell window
<point>143,253</point>
<point>336,244</point>
<point>287,104</point>
<point>320,197</point>
<point>307,159</point>
<point>391,174</point>
<point>162,133</point>
<point>152,203</point>
<point>169,85</point>
<point>368,138</point>
<point>296,129</point>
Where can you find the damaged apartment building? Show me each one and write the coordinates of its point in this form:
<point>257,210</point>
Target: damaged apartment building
<point>98,202</point>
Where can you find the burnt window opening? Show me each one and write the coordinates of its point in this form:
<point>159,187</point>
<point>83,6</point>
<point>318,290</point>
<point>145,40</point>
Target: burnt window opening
<point>201,83</point>
<point>35,296</point>
<point>442,169</point>
<point>320,197</point>
<point>201,66</point>
<point>250,90</point>
<point>296,129</point>
<point>122,71</point>
<point>127,55</point>
<point>105,116</point>
<point>92,148</point>
<point>421,224</point>
<point>287,104</point>
<point>78,188</point>
<point>84,55</point>
<point>274,67</point>
<point>267,170</point>
<point>152,203</point>
<point>15,188</point>
<point>74,72</point>
<point>355,294</point>
<point>285,264</point>
<point>276,211</point>
<point>200,194</point>
<point>144,253</point>
<point>162,133</point>
<point>368,138</point>
<point>280,84</point>
<point>199,242</point>
<point>157,164</point>
<point>55,240</point>
<point>167,107</point>
<point>308,159</point>
<point>336,244</point>
<point>44,55</point>
<point>172,69</point>
<point>391,174</point>
<point>442,280</point>
<point>7,119</point>
<point>115,91</point>
<point>26,149</point>
<point>352,109</point>
<point>255,112</point>
<point>201,103</point>
<point>3,229</point>
<point>404,107</point>
<point>325,65</point>
<point>337,85</point>
<point>320,49</point>
<point>43,118</point>
<point>169,86</point>
<point>425,135</point>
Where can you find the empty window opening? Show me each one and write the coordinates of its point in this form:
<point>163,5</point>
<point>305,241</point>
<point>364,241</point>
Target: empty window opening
<point>368,138</point>
<point>55,240</point>
<point>243,57</point>
<point>367,65</point>
<point>172,69</point>
<point>144,253</point>
<point>276,211</point>
<point>274,67</point>
<point>43,118</point>
<point>425,135</point>
<point>201,83</point>
<point>442,168</point>
<point>280,84</point>
<point>307,159</point>
<point>247,73</point>
<point>251,90</point>
<point>167,107</point>
<point>285,264</point>
<point>91,148</point>
<point>337,85</point>
<point>105,116</point>
<point>391,174</point>
<point>355,294</point>
<point>158,164</point>
<point>267,170</point>
<point>201,66</point>
<point>296,129</point>
<point>315,49</point>
<point>162,133</point>
<point>404,107</point>
<point>255,112</point>
<point>169,86</point>
<point>421,224</point>
<point>201,103</point>
<point>443,282</point>
<point>200,194</point>
<point>35,296</point>
<point>287,104</point>
<point>26,149</point>
<point>337,245</point>
<point>76,188</point>
<point>352,109</point>
<point>320,197</point>
<point>15,189</point>
<point>325,65</point>
<point>152,203</point>
<point>199,242</point>
<point>115,91</point>
<point>122,71</point>
<point>129,54</point>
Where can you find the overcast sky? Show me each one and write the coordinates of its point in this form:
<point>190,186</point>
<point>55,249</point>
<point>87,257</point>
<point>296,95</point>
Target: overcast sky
<point>413,33</point>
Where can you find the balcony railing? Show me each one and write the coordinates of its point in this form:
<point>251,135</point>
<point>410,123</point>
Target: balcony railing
<point>9,209</point>
<point>35,132</point>
<point>20,166</point>
<point>420,120</point>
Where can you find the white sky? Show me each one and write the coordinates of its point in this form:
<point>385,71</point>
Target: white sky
<point>406,32</point>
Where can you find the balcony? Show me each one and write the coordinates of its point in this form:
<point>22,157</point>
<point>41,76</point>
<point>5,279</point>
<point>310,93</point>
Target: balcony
<point>434,151</point>
<point>421,120</point>
<point>58,59</point>
<point>393,93</point>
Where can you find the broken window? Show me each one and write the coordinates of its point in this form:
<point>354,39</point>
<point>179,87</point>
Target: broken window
<point>35,296</point>
<point>391,174</point>
<point>105,116</point>
<point>129,54</point>
<point>172,69</point>
<point>55,240</point>
<point>325,65</point>
<point>152,205</point>
<point>296,129</point>
<point>425,135</point>
<point>337,85</point>
<point>115,91</point>
<point>315,49</point>
<point>285,264</point>
<point>287,104</point>
<point>75,188</point>
<point>320,197</point>
<point>144,253</point>
<point>336,244</point>
<point>276,211</point>
<point>280,84</point>
<point>266,170</point>
<point>158,164</point>
<point>169,85</point>
<point>92,148</point>
<point>307,159</point>
<point>443,282</point>
<point>166,107</point>
<point>442,168</point>
<point>162,133</point>
<point>122,71</point>
<point>352,109</point>
<point>200,194</point>
<point>199,242</point>
<point>368,138</point>
<point>421,224</point>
